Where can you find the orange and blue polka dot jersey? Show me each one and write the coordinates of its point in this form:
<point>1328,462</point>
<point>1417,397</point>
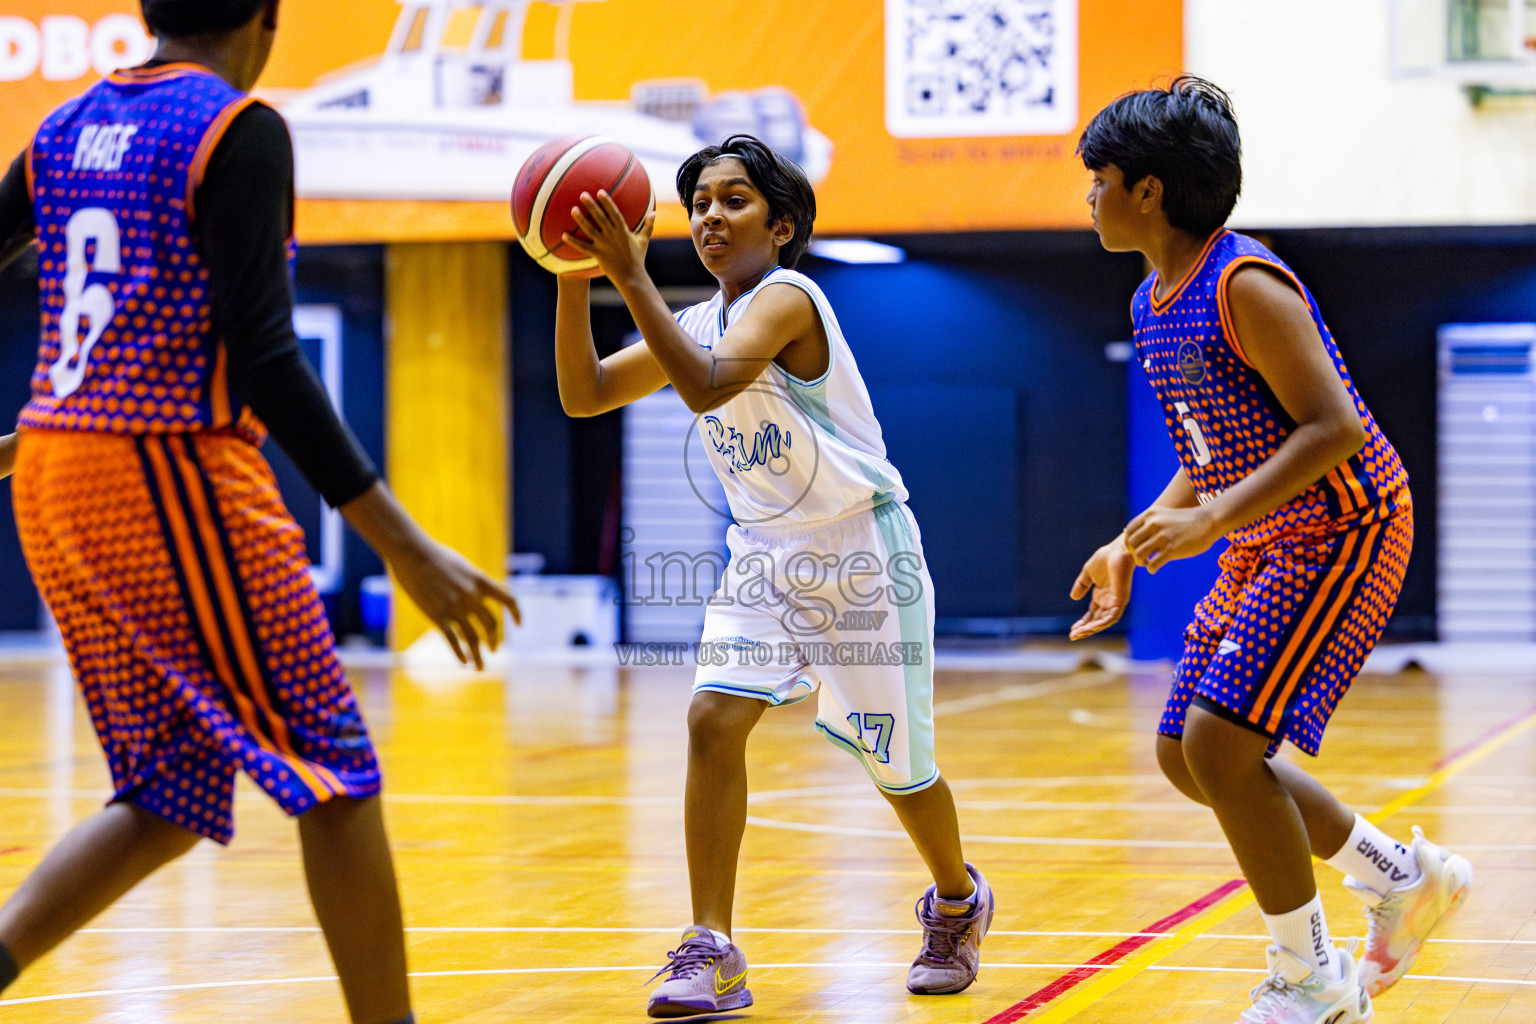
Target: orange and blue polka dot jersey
<point>128,340</point>
<point>1224,420</point>
<point>150,522</point>
<point>1306,590</point>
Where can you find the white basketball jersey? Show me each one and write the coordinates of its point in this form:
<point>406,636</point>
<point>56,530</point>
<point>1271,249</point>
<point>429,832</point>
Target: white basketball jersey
<point>790,450</point>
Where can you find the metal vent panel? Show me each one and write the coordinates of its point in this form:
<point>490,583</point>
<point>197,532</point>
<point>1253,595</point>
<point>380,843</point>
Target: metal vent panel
<point>1487,462</point>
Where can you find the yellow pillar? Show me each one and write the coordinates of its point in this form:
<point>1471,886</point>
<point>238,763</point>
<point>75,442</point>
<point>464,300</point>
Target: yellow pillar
<point>446,396</point>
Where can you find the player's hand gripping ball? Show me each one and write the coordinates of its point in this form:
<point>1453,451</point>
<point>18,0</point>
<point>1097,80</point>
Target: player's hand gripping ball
<point>551,182</point>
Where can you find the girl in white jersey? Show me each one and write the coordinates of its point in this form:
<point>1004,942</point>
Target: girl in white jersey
<point>826,590</point>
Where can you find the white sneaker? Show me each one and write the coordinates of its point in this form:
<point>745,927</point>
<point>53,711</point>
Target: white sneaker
<point>1399,922</point>
<point>1296,994</point>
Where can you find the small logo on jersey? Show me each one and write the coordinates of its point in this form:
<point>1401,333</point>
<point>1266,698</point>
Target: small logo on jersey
<point>1192,362</point>
<point>737,643</point>
<point>349,732</point>
<point>1146,364</point>
<point>1228,647</point>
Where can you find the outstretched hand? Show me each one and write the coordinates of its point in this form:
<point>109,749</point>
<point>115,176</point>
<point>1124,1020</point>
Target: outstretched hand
<point>620,252</point>
<point>460,600</point>
<point>1107,577</point>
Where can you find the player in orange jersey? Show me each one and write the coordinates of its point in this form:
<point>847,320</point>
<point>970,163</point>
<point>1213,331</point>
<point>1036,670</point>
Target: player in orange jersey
<point>1280,457</point>
<point>161,201</point>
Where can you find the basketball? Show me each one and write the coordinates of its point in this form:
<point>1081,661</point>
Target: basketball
<point>552,180</point>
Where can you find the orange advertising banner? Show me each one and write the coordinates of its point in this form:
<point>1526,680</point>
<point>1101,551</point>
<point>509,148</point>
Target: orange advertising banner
<point>410,117</point>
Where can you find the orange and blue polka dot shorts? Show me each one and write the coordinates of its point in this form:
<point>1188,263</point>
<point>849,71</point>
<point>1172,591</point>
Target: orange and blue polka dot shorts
<point>1289,623</point>
<point>180,585</point>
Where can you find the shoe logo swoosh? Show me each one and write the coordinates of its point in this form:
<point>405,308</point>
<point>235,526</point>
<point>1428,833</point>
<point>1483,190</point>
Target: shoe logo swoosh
<point>724,984</point>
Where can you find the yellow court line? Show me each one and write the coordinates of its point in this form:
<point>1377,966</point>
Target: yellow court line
<point>618,871</point>
<point>642,968</point>
<point>1079,999</point>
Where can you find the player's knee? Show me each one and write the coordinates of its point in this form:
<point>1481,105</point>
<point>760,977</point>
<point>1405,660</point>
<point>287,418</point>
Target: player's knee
<point>1170,758</point>
<point>1203,761</point>
<point>720,721</point>
<point>1221,755</point>
<point>165,840</point>
<point>347,817</point>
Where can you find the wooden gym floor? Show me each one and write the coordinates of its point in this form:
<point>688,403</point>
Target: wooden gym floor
<point>537,823</point>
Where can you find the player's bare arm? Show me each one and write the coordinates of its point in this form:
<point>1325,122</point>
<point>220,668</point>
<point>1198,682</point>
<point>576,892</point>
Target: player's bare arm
<point>457,597</point>
<point>1276,332</point>
<point>7,455</point>
<point>590,386</point>
<point>1106,576</point>
<point>780,316</point>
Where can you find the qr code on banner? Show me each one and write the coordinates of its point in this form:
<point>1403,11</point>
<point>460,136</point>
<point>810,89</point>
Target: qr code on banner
<point>980,67</point>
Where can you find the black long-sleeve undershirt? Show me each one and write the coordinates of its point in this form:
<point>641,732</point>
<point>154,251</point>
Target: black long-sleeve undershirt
<point>16,222</point>
<point>243,217</point>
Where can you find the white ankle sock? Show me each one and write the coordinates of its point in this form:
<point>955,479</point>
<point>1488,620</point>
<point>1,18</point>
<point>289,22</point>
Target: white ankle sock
<point>720,937</point>
<point>1375,859</point>
<point>1304,932</point>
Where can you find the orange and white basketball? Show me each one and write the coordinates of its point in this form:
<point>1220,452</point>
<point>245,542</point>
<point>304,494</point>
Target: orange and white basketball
<point>551,182</point>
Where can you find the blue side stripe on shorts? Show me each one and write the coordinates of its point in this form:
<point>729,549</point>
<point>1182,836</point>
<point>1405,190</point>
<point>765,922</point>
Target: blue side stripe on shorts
<point>772,698</point>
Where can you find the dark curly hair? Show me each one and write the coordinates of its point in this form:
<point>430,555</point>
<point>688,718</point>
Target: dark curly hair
<point>1186,137</point>
<point>779,179</point>
<point>174,19</point>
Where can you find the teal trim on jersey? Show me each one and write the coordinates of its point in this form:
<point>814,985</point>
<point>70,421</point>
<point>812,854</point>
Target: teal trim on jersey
<point>819,381</point>
<point>768,696</point>
<point>912,621</point>
<point>811,399</point>
<point>858,750</point>
<point>826,327</point>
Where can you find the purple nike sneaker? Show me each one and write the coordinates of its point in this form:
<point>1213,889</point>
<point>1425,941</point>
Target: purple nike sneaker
<point>952,934</point>
<point>704,976</point>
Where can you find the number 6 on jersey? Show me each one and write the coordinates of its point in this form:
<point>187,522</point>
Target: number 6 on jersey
<point>92,224</point>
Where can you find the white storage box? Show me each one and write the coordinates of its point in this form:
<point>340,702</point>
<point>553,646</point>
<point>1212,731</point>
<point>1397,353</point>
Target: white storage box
<point>565,611</point>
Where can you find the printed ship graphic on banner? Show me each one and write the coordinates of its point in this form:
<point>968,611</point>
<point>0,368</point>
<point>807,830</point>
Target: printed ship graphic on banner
<point>429,120</point>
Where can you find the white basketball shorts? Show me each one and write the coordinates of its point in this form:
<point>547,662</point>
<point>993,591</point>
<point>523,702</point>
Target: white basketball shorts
<point>843,609</point>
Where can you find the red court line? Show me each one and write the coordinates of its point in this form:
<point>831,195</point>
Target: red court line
<point>1484,738</point>
<point>7,850</point>
<point>1119,951</point>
